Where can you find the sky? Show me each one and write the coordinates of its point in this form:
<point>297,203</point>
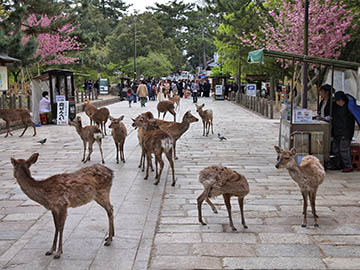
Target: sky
<point>140,5</point>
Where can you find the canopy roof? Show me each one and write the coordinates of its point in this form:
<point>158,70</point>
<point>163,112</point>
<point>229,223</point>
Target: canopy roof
<point>258,57</point>
<point>5,59</point>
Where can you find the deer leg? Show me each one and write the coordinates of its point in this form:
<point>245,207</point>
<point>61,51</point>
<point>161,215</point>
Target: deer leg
<point>241,204</point>
<point>61,223</point>
<point>228,207</point>
<point>26,126</point>
<point>33,125</point>
<point>174,146</point>
<point>207,128</point>
<point>84,144</point>
<point>213,208</point>
<point>164,115</point>
<point>174,114</point>
<point>148,158</point>
<point>203,128</point>
<point>156,168</point>
<point>8,129</point>
<point>104,123</point>
<point>90,150</point>
<point>212,127</point>
<point>103,200</point>
<point>117,152</point>
<point>122,152</point>
<point>304,194</point>
<point>169,157</point>
<point>312,203</point>
<point>101,152</point>
<point>161,168</point>
<point>200,200</point>
<point>53,248</point>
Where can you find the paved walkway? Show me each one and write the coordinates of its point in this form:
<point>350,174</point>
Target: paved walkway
<point>274,239</point>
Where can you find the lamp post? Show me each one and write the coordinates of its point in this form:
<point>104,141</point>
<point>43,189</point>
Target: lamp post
<point>306,50</point>
<point>135,46</point>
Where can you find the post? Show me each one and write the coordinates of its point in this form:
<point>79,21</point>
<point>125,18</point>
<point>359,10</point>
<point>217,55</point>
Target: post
<point>305,65</point>
<point>271,109</point>
<point>135,47</point>
<point>77,96</point>
<point>29,102</point>
<point>82,96</point>
<point>20,102</point>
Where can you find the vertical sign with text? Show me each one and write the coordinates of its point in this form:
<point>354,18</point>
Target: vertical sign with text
<point>62,113</point>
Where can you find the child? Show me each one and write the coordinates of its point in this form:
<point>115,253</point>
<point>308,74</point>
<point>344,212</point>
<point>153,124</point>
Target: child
<point>130,96</point>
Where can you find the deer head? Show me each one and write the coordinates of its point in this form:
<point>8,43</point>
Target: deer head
<point>286,158</point>
<point>76,122</point>
<point>199,107</point>
<point>188,117</point>
<point>138,122</point>
<point>24,164</point>
<point>115,121</point>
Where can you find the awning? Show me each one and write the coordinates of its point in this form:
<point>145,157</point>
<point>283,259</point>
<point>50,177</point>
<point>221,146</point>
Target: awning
<point>256,56</point>
<point>5,59</point>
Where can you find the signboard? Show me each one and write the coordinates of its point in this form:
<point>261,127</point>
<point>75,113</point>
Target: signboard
<point>218,90</point>
<point>62,113</point>
<point>59,98</point>
<point>3,78</point>
<point>302,116</point>
<point>104,86</point>
<point>251,90</point>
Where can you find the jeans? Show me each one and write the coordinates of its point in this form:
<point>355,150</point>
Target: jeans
<point>194,97</point>
<point>341,150</point>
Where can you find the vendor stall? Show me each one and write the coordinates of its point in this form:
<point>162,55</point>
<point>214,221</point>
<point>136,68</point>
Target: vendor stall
<point>218,85</point>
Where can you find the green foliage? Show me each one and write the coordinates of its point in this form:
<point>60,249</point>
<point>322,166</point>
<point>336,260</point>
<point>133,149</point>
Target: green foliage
<point>154,65</point>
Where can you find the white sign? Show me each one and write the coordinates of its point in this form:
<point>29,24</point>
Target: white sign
<point>302,116</point>
<point>218,90</point>
<point>251,90</point>
<point>59,98</point>
<point>62,113</point>
<point>3,78</point>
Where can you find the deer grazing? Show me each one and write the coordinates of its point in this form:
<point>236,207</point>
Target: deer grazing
<point>164,107</point>
<point>11,115</point>
<point>176,100</point>
<point>59,192</point>
<point>308,175</point>
<point>88,135</point>
<point>100,118</point>
<point>207,119</point>
<point>119,134</point>
<point>219,180</point>
<point>176,130</point>
<point>156,141</point>
<point>89,109</point>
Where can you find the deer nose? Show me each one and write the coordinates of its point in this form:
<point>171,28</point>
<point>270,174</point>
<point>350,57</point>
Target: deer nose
<point>277,165</point>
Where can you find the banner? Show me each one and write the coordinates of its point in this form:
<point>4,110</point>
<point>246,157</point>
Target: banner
<point>3,78</point>
<point>62,113</point>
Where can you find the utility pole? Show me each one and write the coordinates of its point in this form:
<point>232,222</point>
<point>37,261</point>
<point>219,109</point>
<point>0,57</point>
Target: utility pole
<point>306,51</point>
<point>135,46</point>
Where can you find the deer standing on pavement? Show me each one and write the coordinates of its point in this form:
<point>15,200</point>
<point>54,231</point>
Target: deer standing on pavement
<point>176,100</point>
<point>59,192</point>
<point>89,109</point>
<point>88,135</point>
<point>207,119</point>
<point>309,175</point>
<point>219,180</point>
<point>164,107</point>
<point>119,134</point>
<point>100,118</point>
<point>10,115</point>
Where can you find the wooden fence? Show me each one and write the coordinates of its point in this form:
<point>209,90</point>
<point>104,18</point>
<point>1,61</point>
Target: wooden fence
<point>21,101</point>
<point>260,105</point>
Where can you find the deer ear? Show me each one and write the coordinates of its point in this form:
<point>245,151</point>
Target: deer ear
<point>13,161</point>
<point>293,151</point>
<point>121,117</point>
<point>31,160</point>
<point>202,106</point>
<point>277,149</point>
<point>111,118</point>
<point>133,119</point>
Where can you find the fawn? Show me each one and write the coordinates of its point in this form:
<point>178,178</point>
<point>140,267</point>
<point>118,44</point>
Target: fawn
<point>88,135</point>
<point>308,175</point>
<point>59,192</point>
<point>89,109</point>
<point>219,180</point>
<point>100,118</point>
<point>10,115</point>
<point>119,134</point>
<point>207,119</point>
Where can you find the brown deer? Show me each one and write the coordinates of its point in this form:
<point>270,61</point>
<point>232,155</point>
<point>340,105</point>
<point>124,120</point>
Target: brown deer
<point>207,119</point>
<point>59,192</point>
<point>89,109</point>
<point>100,118</point>
<point>176,130</point>
<point>12,115</point>
<point>156,141</point>
<point>164,107</point>
<point>88,135</point>
<point>119,134</point>
<point>219,180</point>
<point>176,100</point>
<point>308,175</point>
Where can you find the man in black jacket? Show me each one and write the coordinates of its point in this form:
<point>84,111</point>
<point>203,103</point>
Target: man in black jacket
<point>343,124</point>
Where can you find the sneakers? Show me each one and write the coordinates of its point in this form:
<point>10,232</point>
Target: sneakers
<point>346,170</point>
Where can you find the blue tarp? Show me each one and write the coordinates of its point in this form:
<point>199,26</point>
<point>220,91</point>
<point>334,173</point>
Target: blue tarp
<point>354,108</point>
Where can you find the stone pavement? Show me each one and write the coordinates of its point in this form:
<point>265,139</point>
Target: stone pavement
<point>156,227</point>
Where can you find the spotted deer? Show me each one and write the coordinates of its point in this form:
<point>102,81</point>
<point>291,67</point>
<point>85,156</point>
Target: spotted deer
<point>309,175</point>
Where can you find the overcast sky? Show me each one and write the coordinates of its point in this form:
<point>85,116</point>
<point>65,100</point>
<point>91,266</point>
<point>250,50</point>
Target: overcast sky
<point>141,5</point>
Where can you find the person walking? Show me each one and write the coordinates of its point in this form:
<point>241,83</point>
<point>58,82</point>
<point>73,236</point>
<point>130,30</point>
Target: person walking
<point>129,96</point>
<point>142,92</point>
<point>160,92</point>
<point>194,90</point>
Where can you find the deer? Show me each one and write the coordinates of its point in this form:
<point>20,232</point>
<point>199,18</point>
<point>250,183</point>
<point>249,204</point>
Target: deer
<point>119,134</point>
<point>176,130</point>
<point>89,109</point>
<point>157,142</point>
<point>100,118</point>
<point>220,180</point>
<point>207,119</point>
<point>11,115</point>
<point>308,175</point>
<point>59,192</point>
<point>164,107</point>
<point>176,100</point>
<point>88,135</point>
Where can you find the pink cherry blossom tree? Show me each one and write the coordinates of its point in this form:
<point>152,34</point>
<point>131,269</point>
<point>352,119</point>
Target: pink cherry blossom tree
<point>54,46</point>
